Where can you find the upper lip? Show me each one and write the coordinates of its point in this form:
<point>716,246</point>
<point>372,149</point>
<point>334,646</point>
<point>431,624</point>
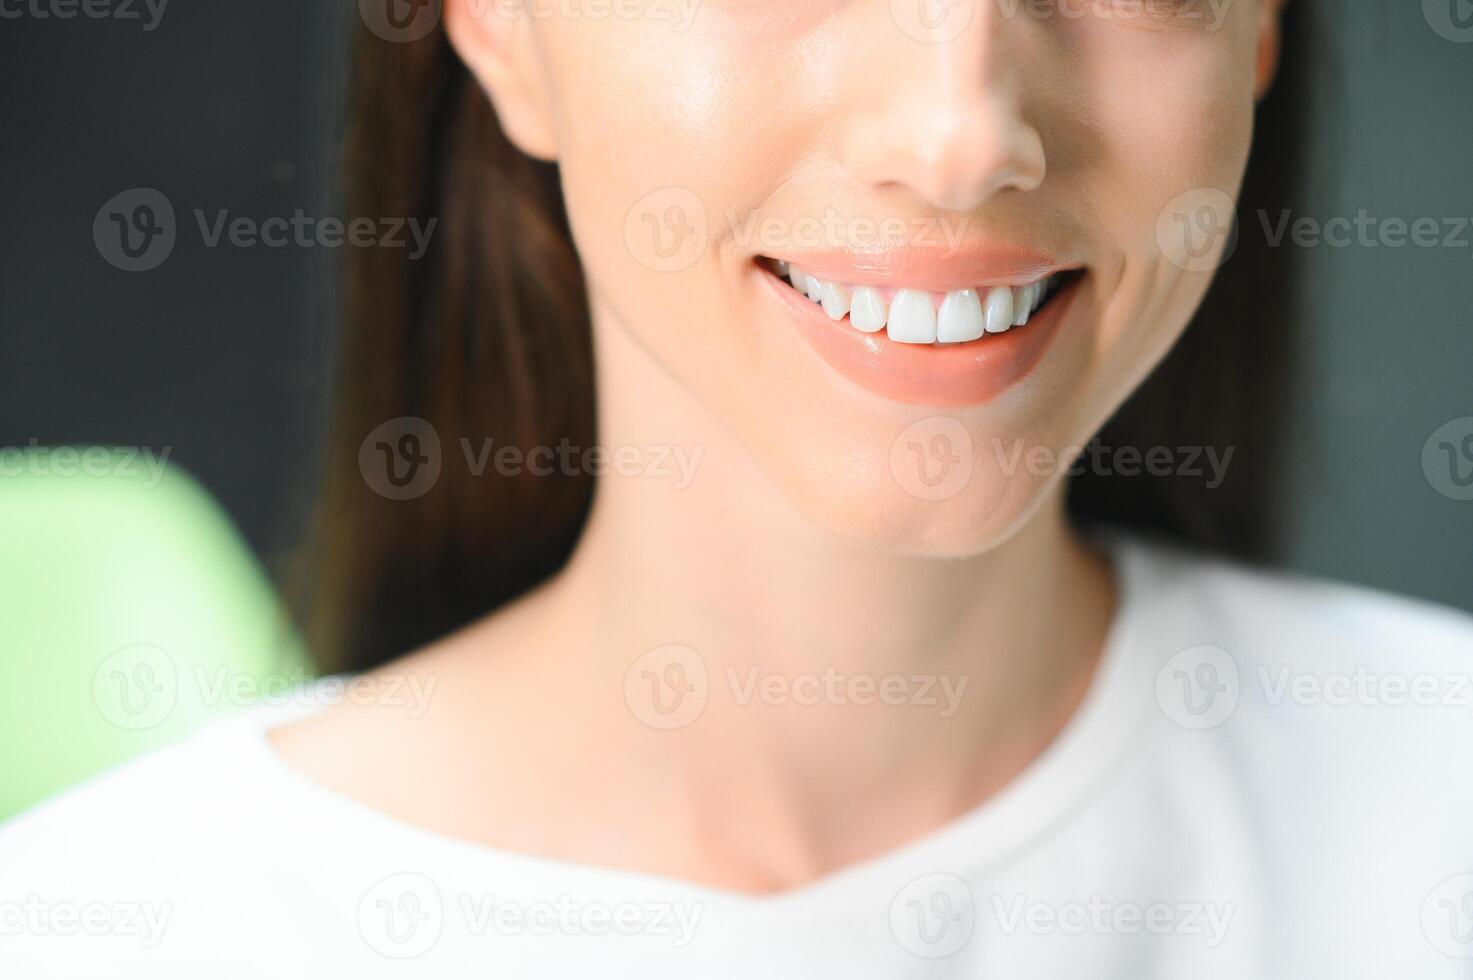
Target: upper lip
<point>935,269</point>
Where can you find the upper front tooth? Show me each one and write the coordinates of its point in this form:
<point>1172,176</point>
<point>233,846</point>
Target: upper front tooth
<point>999,309</point>
<point>867,310</point>
<point>798,278</point>
<point>835,300</point>
<point>1024,300</point>
<point>912,318</point>
<point>961,317</point>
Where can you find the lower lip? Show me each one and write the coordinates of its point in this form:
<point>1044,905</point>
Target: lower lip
<point>937,375</point>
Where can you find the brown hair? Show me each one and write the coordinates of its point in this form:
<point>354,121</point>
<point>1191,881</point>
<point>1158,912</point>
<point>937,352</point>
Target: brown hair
<point>488,335</point>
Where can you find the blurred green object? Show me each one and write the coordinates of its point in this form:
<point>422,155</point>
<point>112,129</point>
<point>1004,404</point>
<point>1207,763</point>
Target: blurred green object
<point>130,613</point>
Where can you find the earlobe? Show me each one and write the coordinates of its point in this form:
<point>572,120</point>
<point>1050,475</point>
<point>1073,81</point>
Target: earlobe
<point>1270,45</point>
<point>495,42</point>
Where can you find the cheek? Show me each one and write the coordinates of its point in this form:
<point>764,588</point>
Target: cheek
<point>670,128</point>
<point>1169,112</point>
<point>671,145</point>
<point>668,140</point>
<point>1169,122</point>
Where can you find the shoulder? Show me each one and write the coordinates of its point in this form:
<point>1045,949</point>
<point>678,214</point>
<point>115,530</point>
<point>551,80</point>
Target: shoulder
<point>197,801</point>
<point>185,849</point>
<point>1263,615</point>
<point>1334,699</point>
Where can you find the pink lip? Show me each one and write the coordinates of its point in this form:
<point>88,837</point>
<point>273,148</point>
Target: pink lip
<point>941,376</point>
<point>934,269</point>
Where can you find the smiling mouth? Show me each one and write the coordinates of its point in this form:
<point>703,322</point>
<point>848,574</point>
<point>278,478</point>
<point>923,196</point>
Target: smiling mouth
<point>906,325</point>
<point>921,317</point>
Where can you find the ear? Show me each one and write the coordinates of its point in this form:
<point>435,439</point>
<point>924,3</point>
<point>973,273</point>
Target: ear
<point>1270,45</point>
<point>495,42</point>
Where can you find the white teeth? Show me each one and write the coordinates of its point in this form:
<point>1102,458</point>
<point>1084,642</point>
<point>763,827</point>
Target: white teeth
<point>998,310</point>
<point>814,288</point>
<point>867,310</point>
<point>1024,300</point>
<point>835,300</point>
<point>798,278</point>
<point>912,318</point>
<point>961,318</point>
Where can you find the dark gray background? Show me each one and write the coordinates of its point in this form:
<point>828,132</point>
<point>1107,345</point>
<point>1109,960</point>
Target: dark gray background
<point>222,354</point>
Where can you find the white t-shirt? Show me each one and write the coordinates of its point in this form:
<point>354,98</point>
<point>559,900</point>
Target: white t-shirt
<point>1269,778</point>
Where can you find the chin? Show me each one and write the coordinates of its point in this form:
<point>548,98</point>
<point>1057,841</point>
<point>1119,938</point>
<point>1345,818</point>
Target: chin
<point>919,497</point>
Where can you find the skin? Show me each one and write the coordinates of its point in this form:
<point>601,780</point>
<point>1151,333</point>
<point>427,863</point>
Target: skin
<point>797,548</point>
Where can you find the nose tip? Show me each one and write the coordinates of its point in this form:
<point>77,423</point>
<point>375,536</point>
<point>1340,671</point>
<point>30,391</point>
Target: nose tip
<point>956,157</point>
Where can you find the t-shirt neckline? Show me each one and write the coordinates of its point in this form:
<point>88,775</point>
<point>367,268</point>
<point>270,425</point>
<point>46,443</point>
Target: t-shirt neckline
<point>1051,789</point>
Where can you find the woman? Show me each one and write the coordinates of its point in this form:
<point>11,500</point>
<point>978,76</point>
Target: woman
<point>799,664</point>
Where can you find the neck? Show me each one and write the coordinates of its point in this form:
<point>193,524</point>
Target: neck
<point>951,674</point>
